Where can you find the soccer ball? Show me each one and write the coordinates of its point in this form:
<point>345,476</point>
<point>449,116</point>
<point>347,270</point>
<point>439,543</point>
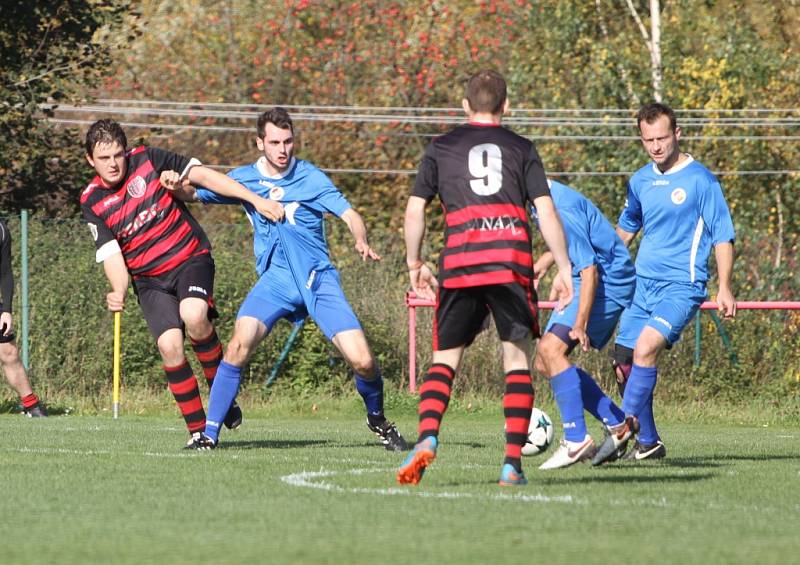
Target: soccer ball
<point>540,433</point>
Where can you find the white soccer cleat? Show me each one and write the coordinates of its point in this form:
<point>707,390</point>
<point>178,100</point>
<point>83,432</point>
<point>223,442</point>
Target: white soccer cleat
<point>569,453</point>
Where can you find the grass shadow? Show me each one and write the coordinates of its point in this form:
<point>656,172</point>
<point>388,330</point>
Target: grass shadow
<point>273,444</point>
<point>623,479</point>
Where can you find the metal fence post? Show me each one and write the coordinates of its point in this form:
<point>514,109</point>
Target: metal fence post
<point>23,227</point>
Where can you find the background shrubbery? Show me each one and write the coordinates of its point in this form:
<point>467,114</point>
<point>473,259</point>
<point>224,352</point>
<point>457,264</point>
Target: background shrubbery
<point>369,83</point>
<point>71,331</point>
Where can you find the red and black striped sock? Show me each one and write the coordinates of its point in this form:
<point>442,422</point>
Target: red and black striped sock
<point>209,353</point>
<point>29,401</point>
<point>183,385</point>
<point>434,396</point>
<point>517,405</point>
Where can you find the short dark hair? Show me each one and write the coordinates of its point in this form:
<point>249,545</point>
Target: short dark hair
<point>486,92</point>
<point>104,131</point>
<point>277,116</point>
<point>651,112</point>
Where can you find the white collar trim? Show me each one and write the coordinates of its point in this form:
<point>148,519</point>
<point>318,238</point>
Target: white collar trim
<point>679,167</point>
<point>261,165</point>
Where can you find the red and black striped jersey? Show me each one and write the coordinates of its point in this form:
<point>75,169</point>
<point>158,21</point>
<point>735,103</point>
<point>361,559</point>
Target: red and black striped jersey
<point>154,231</point>
<point>484,175</point>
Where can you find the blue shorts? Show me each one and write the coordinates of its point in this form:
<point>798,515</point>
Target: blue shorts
<point>603,319</point>
<point>665,306</point>
<point>269,302</point>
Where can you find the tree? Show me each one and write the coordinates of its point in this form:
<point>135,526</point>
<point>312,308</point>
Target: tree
<point>50,52</point>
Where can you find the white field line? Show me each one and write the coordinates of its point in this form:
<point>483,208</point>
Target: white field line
<point>310,479</point>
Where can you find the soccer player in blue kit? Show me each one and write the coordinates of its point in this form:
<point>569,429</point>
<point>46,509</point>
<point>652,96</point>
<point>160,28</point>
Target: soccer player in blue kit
<point>296,277</point>
<point>678,205</point>
<point>604,280</point>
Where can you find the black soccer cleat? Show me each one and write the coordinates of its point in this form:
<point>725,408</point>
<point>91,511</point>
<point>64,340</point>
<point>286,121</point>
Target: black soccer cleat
<point>35,411</point>
<point>233,419</point>
<point>200,442</point>
<point>616,442</point>
<point>642,451</point>
<point>389,436</point>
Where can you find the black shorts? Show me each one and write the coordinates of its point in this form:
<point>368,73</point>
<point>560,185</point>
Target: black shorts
<point>462,313</point>
<point>160,297</point>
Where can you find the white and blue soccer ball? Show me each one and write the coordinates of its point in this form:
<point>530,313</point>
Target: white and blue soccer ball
<point>540,433</point>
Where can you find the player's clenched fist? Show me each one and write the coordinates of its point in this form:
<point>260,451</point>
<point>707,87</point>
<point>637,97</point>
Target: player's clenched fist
<point>115,301</point>
<point>171,180</point>
<point>270,209</point>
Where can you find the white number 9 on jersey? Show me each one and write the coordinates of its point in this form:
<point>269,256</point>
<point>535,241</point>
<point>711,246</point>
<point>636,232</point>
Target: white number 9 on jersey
<point>486,166</point>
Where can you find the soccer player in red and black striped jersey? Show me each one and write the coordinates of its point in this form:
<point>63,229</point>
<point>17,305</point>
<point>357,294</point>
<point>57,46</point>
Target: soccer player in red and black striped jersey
<point>142,232</point>
<point>13,368</point>
<point>485,177</point>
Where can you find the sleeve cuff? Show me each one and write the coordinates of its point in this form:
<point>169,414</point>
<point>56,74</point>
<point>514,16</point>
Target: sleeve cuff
<point>107,250</point>
<point>192,163</point>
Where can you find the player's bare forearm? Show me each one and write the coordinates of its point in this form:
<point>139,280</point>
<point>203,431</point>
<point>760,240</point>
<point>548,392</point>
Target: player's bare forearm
<point>226,186</point>
<point>589,278</point>
<point>219,183</point>
<point>725,300</point>
<point>724,255</point>
<point>423,281</point>
<point>117,274</point>
<point>553,234</point>
<point>625,236</point>
<point>355,223</point>
<point>543,264</point>
<point>414,230</point>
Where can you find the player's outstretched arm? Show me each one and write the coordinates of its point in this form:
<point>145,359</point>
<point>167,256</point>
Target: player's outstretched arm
<point>355,223</point>
<point>553,234</point>
<point>725,301</point>
<point>117,274</point>
<point>423,282</point>
<point>226,186</point>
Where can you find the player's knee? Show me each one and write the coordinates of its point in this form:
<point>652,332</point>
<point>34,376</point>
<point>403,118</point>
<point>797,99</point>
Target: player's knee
<point>238,352</point>
<point>550,349</point>
<point>364,365</point>
<point>196,321</point>
<point>170,346</point>
<point>9,354</point>
<point>646,354</point>
<point>539,364</point>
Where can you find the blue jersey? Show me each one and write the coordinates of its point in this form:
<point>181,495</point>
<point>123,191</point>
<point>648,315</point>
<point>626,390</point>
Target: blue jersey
<point>296,247</point>
<point>591,240</point>
<point>683,214</point>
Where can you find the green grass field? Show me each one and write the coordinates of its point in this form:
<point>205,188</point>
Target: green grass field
<point>318,489</point>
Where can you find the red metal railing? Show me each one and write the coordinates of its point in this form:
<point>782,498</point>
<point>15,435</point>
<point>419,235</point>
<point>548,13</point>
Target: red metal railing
<point>412,302</point>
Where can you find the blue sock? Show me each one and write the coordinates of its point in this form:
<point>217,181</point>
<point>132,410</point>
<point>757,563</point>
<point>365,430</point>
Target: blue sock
<point>647,424</point>
<point>640,387</point>
<point>226,386</point>
<point>566,387</point>
<point>597,403</point>
<point>372,393</point>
